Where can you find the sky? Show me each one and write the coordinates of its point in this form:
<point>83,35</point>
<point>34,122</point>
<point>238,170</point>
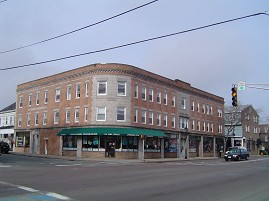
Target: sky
<point>212,59</point>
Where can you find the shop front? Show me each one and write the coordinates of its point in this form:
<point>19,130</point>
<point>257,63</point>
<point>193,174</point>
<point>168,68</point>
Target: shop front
<point>112,142</point>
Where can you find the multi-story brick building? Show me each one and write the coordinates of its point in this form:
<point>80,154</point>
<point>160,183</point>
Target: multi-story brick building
<point>117,110</point>
<point>264,136</point>
<point>241,127</point>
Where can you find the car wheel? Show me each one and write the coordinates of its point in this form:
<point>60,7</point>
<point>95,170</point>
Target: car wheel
<point>239,158</point>
<point>246,158</point>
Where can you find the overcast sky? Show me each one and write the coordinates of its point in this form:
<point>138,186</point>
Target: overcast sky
<point>211,59</point>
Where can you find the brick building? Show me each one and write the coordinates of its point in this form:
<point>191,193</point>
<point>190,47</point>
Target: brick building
<point>117,110</point>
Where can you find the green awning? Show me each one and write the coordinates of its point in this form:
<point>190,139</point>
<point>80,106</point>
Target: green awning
<point>111,131</point>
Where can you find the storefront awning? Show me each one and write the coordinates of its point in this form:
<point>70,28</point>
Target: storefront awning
<point>110,131</point>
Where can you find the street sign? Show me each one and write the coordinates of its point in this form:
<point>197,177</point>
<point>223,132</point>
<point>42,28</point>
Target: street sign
<point>241,85</point>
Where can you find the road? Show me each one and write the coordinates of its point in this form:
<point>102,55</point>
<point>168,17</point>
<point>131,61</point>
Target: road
<point>31,178</point>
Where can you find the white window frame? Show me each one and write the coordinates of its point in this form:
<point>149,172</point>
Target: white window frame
<point>87,89</point>
<point>173,100</point>
<point>136,91</point>
<point>78,92</point>
<point>57,95</point>
<point>198,125</point>
<point>76,113</point>
<point>67,116</point>
<point>173,121</point>
<point>100,83</point>
<point>86,114</point>
<point>165,120</point>
<point>46,97</point>
<point>159,97</point>
<point>98,110</point>
<point>165,98</point>
<point>144,117</point>
<point>56,116</point>
<point>144,93</point>
<point>122,112</point>
<point>151,118</point>
<point>20,102</point>
<point>19,120</point>
<point>28,119</point>
<point>37,100</point>
<point>36,118</point>
<point>121,91</point>
<point>159,118</point>
<point>192,105</point>
<point>45,117</point>
<point>30,100</point>
<point>135,115</point>
<point>68,92</point>
<point>151,97</point>
<point>183,103</point>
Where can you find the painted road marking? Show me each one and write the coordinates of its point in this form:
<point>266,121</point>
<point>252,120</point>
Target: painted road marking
<point>27,189</point>
<point>58,196</point>
<point>68,165</point>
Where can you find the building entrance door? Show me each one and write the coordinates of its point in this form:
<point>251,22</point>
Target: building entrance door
<point>110,147</point>
<point>46,146</point>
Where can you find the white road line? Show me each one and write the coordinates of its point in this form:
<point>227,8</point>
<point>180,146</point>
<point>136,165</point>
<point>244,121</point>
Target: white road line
<point>68,165</point>
<point>58,196</point>
<point>28,189</point>
<point>5,166</point>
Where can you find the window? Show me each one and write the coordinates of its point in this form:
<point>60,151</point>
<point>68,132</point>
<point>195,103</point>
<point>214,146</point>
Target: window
<point>158,97</point>
<point>207,109</point>
<point>165,98</point>
<point>211,110</point>
<point>76,115</point>
<point>56,117</point>
<point>144,114</point>
<point>203,109</point>
<point>86,89</point>
<point>247,129</point>
<point>144,92</point>
<point>220,129</point>
<point>198,125</point>
<point>165,120</point>
<point>30,99</point>
<point>158,119</point>
<point>20,102</point>
<point>255,130</point>
<point>45,116</point>
<point>19,120</point>
<point>121,88</point>
<point>68,93</point>
<point>207,128</point>
<point>86,114</point>
<point>36,118</point>
<point>102,88</point>
<point>183,103</point>
<point>198,107</point>
<point>46,97</point>
<point>57,95</point>
<point>173,100</point>
<point>183,122</point>
<point>193,124</point>
<point>151,95</point>
<point>136,91</point>
<point>173,121</point>
<point>212,127</point>
<point>101,114</point>
<point>150,118</point>
<point>135,115</point>
<point>37,98</point>
<point>77,90</point>
<point>67,115</point>
<point>219,112</point>
<point>28,119</point>
<point>121,111</point>
<point>192,106</point>
<point>203,126</point>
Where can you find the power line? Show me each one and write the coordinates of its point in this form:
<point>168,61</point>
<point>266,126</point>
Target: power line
<point>129,44</point>
<point>76,30</point>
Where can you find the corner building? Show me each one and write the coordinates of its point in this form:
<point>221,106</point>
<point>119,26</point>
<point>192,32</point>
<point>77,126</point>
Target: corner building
<point>117,110</point>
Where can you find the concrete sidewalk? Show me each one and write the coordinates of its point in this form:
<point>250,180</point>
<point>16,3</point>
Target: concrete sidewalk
<point>158,160</point>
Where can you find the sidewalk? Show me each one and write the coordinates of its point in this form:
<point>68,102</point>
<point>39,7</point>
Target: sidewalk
<point>158,160</point>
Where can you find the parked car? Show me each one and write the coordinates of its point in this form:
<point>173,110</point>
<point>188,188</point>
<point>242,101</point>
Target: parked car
<point>236,153</point>
<point>4,147</point>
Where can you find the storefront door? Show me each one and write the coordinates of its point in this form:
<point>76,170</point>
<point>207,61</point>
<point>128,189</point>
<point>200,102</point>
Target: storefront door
<point>110,147</point>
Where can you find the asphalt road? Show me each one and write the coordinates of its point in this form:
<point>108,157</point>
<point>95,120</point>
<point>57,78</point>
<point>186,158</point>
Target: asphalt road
<point>30,178</point>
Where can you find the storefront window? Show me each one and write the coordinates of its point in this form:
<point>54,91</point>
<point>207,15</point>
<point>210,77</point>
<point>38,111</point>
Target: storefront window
<point>23,139</point>
<point>170,145</point>
<point>90,142</point>
<point>208,144</point>
<point>192,143</point>
<point>129,142</point>
<point>153,144</point>
<point>70,142</point>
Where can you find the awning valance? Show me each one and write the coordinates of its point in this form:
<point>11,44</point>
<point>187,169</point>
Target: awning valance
<point>111,131</point>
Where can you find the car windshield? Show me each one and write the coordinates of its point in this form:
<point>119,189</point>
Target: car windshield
<point>234,151</point>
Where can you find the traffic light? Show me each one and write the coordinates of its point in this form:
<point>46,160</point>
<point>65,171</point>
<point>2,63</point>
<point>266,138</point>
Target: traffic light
<point>234,96</point>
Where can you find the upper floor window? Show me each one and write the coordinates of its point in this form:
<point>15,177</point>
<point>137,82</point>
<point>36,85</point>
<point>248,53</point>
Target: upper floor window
<point>67,115</point>
<point>102,86</point>
<point>151,95</point>
<point>45,116</point>
<point>121,113</point>
<point>246,116</point>
<point>100,113</point>
<point>158,119</point>
<point>183,103</point>
<point>165,98</point>
<point>37,98</point>
<point>36,118</point>
<point>76,115</point>
<point>165,120</point>
<point>144,114</point>
<point>255,130</point>
<point>211,110</point>
<point>68,92</point>
<point>77,90</point>
<point>144,92</point>
<point>30,99</point>
<point>150,118</point>
<point>86,114</point>
<point>121,88</point>
<point>255,118</point>
<point>198,125</point>
<point>28,119</point>
<point>20,102</point>
<point>135,115</point>
<point>46,97</point>
<point>212,127</point>
<point>219,112</point>
<point>220,129</point>
<point>158,97</point>
<point>56,117</point>
<point>193,125</point>
<point>173,100</point>
<point>183,122</point>
<point>57,95</point>
<point>203,109</point>
<point>207,109</point>
<point>173,121</point>
<point>198,107</point>
<point>19,120</point>
<point>86,89</point>
<point>192,106</point>
<point>136,91</point>
<point>247,129</point>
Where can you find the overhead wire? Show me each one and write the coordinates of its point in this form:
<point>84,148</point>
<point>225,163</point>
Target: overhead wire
<point>76,30</point>
<point>133,43</point>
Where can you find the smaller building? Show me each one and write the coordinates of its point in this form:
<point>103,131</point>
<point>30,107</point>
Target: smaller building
<point>7,122</point>
<point>241,127</point>
<point>264,137</point>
